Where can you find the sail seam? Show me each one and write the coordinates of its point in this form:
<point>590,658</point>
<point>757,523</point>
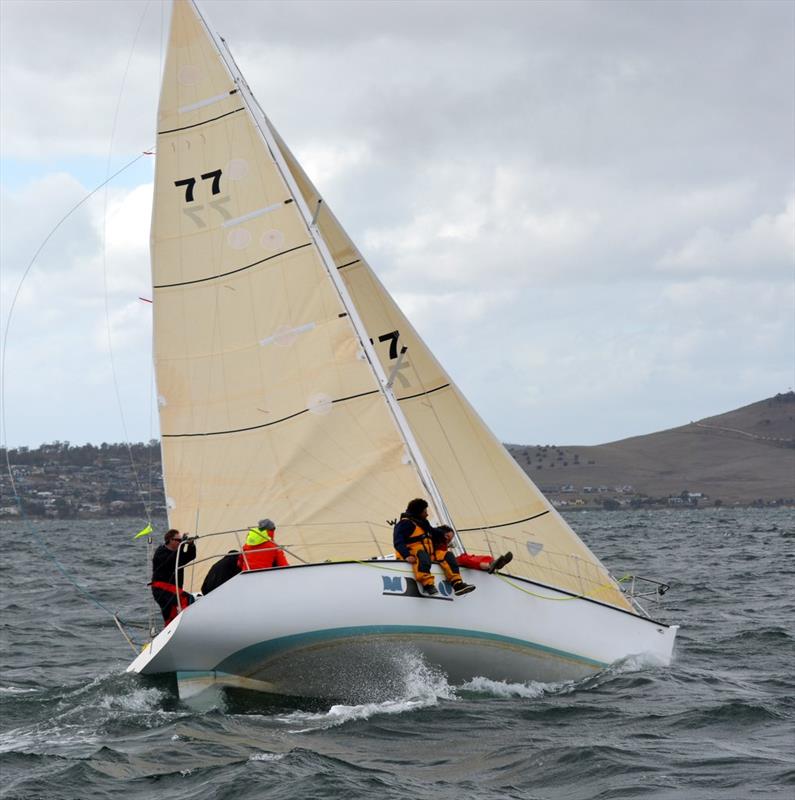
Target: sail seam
<point>422,394</point>
<point>265,424</point>
<point>234,271</point>
<point>196,124</point>
<point>502,524</point>
<point>349,264</point>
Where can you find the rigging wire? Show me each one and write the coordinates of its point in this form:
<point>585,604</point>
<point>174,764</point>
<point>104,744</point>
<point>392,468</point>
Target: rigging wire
<point>144,502</point>
<point>16,297</point>
<point>145,498</point>
<point>9,469</point>
<point>3,422</point>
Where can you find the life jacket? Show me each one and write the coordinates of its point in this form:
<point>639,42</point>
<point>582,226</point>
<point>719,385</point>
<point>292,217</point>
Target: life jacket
<point>421,537</point>
<point>257,536</point>
<point>260,552</point>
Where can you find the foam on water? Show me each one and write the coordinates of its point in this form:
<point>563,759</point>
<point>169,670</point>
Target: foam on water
<point>140,699</point>
<point>529,690</point>
<point>423,686</point>
<point>635,663</point>
<point>49,739</point>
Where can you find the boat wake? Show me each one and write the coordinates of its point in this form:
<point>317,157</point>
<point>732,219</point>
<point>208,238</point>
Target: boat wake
<point>531,690</point>
<point>420,686</point>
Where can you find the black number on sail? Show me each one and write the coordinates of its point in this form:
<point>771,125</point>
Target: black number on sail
<point>189,183</point>
<point>216,176</point>
<point>392,338</point>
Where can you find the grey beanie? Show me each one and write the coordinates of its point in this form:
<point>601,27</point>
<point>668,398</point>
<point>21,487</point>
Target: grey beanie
<point>266,525</point>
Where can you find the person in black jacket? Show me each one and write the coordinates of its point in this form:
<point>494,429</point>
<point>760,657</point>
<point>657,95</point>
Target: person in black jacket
<point>176,551</point>
<point>221,572</point>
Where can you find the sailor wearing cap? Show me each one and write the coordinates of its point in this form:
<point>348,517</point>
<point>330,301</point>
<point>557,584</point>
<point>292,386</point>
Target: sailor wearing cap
<point>260,550</point>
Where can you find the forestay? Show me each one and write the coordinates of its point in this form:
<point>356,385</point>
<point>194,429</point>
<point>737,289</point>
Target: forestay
<point>268,404</point>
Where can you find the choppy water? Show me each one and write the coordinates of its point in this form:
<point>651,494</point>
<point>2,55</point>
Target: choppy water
<point>718,723</point>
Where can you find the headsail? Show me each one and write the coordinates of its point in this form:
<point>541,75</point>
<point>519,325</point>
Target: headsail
<point>268,404</point>
<point>494,504</point>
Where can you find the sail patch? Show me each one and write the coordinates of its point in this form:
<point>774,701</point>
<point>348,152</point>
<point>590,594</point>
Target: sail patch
<point>284,336</point>
<point>189,75</point>
<point>236,169</point>
<point>272,239</point>
<point>320,404</point>
<point>239,238</point>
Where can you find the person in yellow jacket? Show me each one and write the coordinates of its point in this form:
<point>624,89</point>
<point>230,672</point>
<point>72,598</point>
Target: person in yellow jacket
<point>260,550</point>
<point>413,541</point>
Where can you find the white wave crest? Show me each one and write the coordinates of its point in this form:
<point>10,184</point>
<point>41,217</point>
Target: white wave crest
<point>421,686</point>
<point>140,699</point>
<point>266,757</point>
<point>340,714</point>
<point>635,663</point>
<point>423,682</point>
<point>529,690</point>
<point>16,690</point>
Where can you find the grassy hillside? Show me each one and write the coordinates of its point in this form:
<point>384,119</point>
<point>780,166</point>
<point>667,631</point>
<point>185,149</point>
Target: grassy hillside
<point>742,456</point>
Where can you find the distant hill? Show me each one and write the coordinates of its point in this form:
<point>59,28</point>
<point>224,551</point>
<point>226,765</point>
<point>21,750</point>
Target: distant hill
<point>743,457</point>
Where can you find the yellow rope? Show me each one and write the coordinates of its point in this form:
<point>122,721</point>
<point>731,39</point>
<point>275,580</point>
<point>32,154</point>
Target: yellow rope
<point>571,597</point>
<point>374,564</point>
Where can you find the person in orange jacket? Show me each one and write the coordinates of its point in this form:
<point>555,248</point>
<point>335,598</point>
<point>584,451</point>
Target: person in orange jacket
<point>260,550</point>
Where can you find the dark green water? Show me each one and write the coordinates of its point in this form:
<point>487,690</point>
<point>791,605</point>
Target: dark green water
<point>718,723</point>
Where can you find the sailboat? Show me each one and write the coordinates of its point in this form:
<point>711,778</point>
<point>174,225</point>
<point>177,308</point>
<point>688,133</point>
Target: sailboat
<point>290,385</point>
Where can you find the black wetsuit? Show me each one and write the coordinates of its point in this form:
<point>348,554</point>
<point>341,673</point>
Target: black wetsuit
<point>221,572</point>
<point>164,563</point>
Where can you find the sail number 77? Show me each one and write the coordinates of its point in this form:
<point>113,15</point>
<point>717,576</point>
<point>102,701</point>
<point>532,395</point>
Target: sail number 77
<point>189,183</point>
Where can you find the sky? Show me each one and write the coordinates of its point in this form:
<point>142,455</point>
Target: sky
<point>587,209</point>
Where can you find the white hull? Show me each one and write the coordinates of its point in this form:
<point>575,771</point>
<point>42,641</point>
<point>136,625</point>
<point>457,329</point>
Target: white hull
<point>338,630</point>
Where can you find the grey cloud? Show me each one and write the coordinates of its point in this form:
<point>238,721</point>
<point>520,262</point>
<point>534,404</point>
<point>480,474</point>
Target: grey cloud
<point>607,181</point>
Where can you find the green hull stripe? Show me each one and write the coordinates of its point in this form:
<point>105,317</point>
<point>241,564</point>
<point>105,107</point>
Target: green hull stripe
<point>241,662</point>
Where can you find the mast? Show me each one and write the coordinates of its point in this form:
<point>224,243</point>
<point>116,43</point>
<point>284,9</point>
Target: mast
<point>310,220</point>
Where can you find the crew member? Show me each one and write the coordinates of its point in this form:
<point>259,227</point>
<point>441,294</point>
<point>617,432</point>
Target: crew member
<point>413,542</point>
<point>444,557</point>
<point>443,535</point>
<point>260,550</point>
<point>487,563</point>
<point>220,572</point>
<point>167,564</point>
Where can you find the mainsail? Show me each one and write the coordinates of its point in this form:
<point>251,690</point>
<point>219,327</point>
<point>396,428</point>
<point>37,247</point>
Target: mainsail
<point>271,400</point>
